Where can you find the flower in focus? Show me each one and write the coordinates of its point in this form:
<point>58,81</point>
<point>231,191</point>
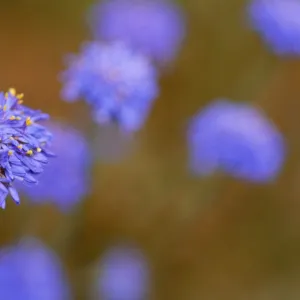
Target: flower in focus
<point>30,271</point>
<point>23,144</point>
<point>119,84</point>
<point>154,27</point>
<point>66,181</point>
<point>278,23</point>
<point>123,275</point>
<point>236,138</point>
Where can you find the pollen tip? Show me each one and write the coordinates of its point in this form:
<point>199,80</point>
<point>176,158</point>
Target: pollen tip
<point>29,152</point>
<point>28,121</point>
<point>12,91</point>
<point>20,96</point>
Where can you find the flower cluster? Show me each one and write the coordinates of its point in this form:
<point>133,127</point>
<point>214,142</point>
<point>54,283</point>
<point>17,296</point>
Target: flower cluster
<point>115,73</point>
<point>278,23</point>
<point>118,83</point>
<point>69,173</point>
<point>23,144</point>
<point>236,138</point>
<point>30,271</point>
<point>156,27</point>
<point>123,274</point>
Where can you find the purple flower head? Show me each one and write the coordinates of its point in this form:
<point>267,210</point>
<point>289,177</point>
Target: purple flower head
<point>237,139</point>
<point>23,144</point>
<point>119,84</point>
<point>124,275</point>
<point>154,27</point>
<point>30,271</point>
<point>278,23</point>
<point>67,179</point>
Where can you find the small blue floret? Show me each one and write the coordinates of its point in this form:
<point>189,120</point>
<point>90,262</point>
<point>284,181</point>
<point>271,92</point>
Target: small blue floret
<point>30,271</point>
<point>278,22</point>
<point>119,84</point>
<point>237,139</point>
<point>153,27</point>
<point>66,180</point>
<point>23,144</point>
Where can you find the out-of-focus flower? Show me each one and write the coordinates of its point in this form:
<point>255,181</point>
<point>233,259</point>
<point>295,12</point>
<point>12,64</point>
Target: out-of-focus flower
<point>124,275</point>
<point>29,271</point>
<point>67,180</point>
<point>118,83</point>
<point>154,27</point>
<point>278,23</point>
<point>237,139</point>
<point>23,144</point>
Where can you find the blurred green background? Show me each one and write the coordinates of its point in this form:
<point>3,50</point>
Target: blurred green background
<point>211,238</point>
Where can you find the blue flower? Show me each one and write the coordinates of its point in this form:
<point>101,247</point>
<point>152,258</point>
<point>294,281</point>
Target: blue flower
<point>124,275</point>
<point>154,27</point>
<point>67,179</point>
<point>236,138</point>
<point>23,144</point>
<point>119,84</point>
<point>30,271</point>
<point>278,23</point>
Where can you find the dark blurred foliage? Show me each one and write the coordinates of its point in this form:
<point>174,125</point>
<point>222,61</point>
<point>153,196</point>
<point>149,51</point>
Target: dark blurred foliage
<point>210,238</point>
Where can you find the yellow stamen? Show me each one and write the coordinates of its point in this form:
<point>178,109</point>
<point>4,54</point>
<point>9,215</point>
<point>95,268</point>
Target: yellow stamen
<point>12,91</point>
<point>10,152</point>
<point>20,96</point>
<point>28,121</point>
<point>5,107</point>
<point>20,146</point>
<point>18,118</point>
<point>12,118</point>
<point>29,152</point>
<point>38,149</point>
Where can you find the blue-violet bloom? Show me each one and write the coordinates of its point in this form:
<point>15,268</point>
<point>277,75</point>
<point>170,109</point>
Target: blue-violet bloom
<point>124,275</point>
<point>23,144</point>
<point>119,84</point>
<point>236,138</point>
<point>30,271</point>
<point>277,21</point>
<point>154,27</point>
<point>66,180</point>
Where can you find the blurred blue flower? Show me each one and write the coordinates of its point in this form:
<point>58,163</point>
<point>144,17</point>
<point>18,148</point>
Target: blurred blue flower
<point>29,271</point>
<point>278,23</point>
<point>23,144</point>
<point>154,27</point>
<point>66,180</point>
<point>118,83</point>
<point>236,138</point>
<point>124,275</point>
